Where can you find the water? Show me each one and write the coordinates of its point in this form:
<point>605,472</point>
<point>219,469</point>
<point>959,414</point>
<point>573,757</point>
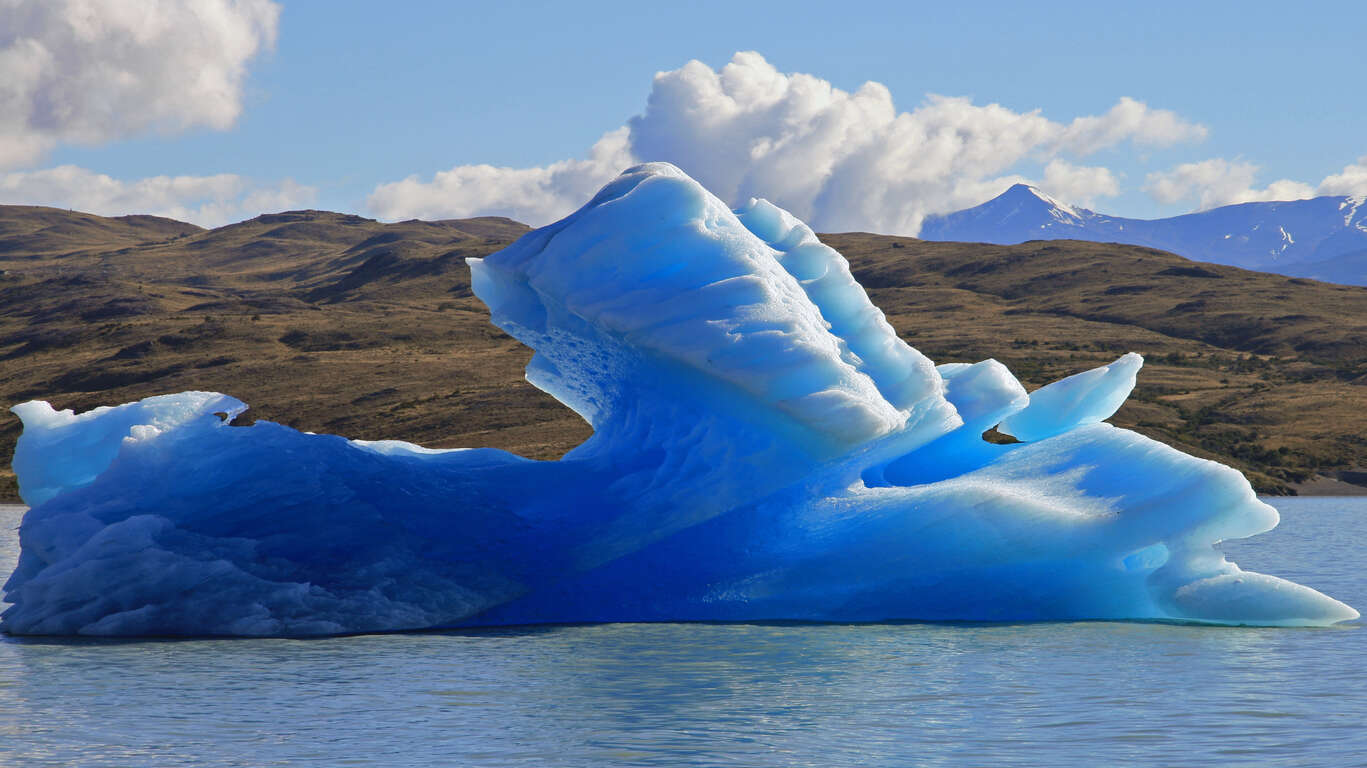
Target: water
<point>717,695</point>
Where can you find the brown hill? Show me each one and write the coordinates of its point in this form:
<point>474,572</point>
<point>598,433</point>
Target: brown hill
<point>337,323</point>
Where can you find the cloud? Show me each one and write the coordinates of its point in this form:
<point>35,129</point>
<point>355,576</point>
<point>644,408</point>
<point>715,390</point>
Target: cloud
<point>1078,183</point>
<point>92,71</point>
<point>1217,182</point>
<point>1352,180</point>
<point>208,201</point>
<point>1132,120</point>
<point>526,194</point>
<point>840,160</point>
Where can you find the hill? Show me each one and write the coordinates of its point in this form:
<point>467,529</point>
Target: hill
<point>1324,238</point>
<point>336,323</point>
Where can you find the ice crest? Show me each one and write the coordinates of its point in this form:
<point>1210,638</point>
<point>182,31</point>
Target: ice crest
<point>657,274</point>
<point>764,447</point>
<point>1085,398</point>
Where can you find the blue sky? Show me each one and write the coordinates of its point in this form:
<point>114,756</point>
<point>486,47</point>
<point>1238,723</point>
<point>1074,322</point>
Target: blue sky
<point>349,98</point>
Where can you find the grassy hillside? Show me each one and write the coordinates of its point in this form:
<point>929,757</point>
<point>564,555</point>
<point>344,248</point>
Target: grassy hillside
<point>340,324</point>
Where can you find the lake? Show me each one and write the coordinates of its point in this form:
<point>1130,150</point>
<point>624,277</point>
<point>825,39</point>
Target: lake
<point>1093,693</point>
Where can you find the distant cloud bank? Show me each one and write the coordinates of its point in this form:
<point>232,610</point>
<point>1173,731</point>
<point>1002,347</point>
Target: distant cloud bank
<point>88,72</point>
<point>208,201</point>
<point>843,161</point>
<point>1216,182</point>
<point>540,194</point>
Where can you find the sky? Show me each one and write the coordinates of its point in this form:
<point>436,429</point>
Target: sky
<point>866,116</point>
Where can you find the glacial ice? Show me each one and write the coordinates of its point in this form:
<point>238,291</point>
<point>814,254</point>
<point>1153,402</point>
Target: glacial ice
<point>764,447</point>
<point>1084,398</point>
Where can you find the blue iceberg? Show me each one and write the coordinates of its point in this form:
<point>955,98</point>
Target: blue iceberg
<point>764,447</point>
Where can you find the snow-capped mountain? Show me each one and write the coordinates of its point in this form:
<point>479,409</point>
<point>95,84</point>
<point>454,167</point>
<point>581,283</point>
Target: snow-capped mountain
<point>1323,238</point>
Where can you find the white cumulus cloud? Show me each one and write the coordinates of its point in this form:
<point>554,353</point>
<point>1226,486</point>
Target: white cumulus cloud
<point>1218,181</point>
<point>1129,119</point>
<point>1079,184</point>
<point>1352,180</point>
<point>91,71</point>
<point>208,201</point>
<point>840,160</point>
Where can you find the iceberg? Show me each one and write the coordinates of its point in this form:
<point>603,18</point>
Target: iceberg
<point>765,447</point>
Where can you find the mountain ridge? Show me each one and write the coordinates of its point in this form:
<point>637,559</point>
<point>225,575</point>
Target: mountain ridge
<point>1323,238</point>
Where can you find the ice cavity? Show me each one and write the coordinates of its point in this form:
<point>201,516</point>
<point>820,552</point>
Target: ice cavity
<point>764,447</point>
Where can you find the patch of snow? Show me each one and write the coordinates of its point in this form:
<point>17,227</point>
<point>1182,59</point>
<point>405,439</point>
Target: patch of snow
<point>1060,210</point>
<point>1352,203</point>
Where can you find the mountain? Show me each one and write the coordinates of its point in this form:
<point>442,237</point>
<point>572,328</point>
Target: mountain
<point>1324,238</point>
<point>336,323</point>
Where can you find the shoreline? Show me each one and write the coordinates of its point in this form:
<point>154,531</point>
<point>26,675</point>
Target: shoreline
<point>1328,486</point>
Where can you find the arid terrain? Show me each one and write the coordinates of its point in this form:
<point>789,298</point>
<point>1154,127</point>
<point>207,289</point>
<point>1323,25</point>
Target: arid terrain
<point>335,323</point>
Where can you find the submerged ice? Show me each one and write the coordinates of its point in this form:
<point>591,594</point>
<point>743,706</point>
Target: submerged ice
<point>764,447</point>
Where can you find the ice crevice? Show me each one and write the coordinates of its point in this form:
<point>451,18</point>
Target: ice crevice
<point>764,447</point>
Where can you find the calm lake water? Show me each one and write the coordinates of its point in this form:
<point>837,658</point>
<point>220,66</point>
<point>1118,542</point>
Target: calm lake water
<point>716,695</point>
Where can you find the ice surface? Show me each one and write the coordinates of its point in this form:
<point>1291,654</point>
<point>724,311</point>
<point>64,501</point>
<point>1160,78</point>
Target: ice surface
<point>754,304</point>
<point>64,451</point>
<point>1085,398</point>
<point>764,447</point>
